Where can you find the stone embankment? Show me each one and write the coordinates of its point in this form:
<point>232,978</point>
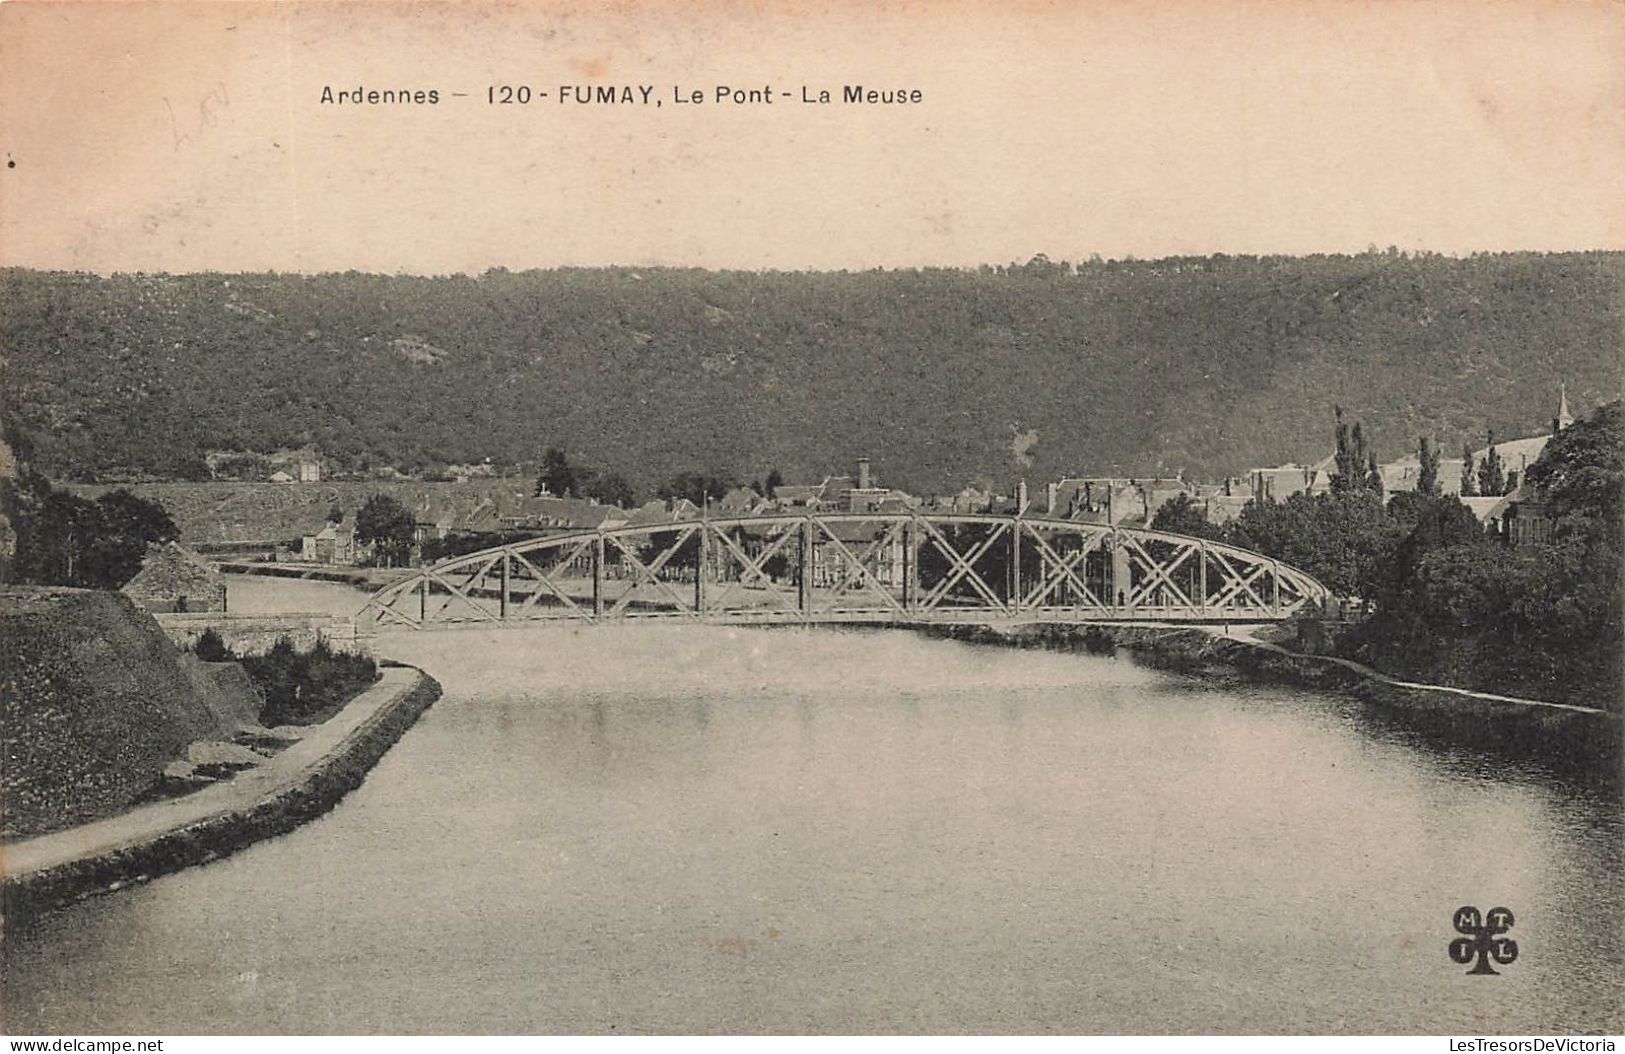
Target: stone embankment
<point>364,578</point>
<point>256,634</point>
<point>297,784</point>
<point>1575,738</point>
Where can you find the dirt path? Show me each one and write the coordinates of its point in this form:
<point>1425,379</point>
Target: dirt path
<point>280,774</point>
<point>1249,634</point>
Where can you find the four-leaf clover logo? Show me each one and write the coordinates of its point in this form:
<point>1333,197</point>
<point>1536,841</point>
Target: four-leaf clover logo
<point>1483,940</point>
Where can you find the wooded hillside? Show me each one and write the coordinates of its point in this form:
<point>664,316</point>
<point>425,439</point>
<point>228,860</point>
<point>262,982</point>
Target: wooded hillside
<point>1204,365</point>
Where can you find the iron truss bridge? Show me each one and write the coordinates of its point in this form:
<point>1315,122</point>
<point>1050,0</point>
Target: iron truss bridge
<point>850,567</point>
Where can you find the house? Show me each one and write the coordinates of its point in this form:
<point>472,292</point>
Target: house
<point>433,518</point>
<point>830,566</point>
<point>567,514</point>
<point>281,477</point>
<point>970,500</point>
<point>333,544</point>
<point>310,471</point>
<point>1488,510</point>
<point>740,501</point>
<point>798,495</point>
<point>1516,456</point>
<point>1222,508</point>
<point>859,493</point>
<point>1283,481</point>
<point>1525,518</point>
<point>173,578</point>
<point>1109,499</point>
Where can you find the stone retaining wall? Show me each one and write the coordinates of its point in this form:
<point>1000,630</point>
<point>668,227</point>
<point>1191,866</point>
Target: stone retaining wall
<point>255,634</point>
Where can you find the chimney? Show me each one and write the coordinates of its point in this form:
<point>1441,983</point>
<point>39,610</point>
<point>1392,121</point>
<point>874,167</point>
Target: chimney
<point>1021,496</point>
<point>863,473</point>
<point>1051,492</point>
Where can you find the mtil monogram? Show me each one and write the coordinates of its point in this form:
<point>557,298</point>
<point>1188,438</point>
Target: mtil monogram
<point>1483,940</point>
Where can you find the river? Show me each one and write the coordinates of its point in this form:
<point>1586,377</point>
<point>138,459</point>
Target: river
<point>664,828</point>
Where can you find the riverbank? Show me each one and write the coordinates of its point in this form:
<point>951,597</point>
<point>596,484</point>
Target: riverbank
<point>296,785</point>
<point>1575,739</point>
<point>363,578</point>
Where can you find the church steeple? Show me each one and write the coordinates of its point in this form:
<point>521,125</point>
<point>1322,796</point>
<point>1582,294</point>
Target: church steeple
<point>1564,418</point>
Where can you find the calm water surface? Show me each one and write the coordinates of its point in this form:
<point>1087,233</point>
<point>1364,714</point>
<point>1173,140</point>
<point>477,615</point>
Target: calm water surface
<point>679,829</point>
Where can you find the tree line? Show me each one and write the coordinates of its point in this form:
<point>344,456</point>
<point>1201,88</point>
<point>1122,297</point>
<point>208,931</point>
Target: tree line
<point>1454,602</point>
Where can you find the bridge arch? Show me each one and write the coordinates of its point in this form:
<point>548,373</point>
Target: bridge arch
<point>908,567</point>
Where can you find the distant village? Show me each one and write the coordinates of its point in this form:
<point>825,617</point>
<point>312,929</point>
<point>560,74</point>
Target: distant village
<point>475,502</point>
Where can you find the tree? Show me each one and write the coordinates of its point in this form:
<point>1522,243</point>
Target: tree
<point>126,526</point>
<point>556,476</point>
<point>608,488</point>
<point>1542,620</point>
<point>1491,472</point>
<point>1342,538</point>
<point>335,514</point>
<point>1581,473</point>
<point>1427,477</point>
<point>1355,462</point>
<point>211,647</point>
<point>775,479</point>
<point>1346,465</point>
<point>1469,475</point>
<point>388,527</point>
<point>1441,522</point>
<point>696,487</point>
<point>66,540</point>
<point>1373,474</point>
<point>1184,515</point>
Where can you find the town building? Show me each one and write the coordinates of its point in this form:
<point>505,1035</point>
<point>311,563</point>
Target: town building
<point>740,501</point>
<point>857,493</point>
<point>1283,481</point>
<point>1516,455</point>
<point>1111,500</point>
<point>1525,519</point>
<point>333,544</point>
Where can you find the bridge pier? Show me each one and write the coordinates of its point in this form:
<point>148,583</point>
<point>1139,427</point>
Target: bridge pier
<point>1122,586</point>
<point>503,609</point>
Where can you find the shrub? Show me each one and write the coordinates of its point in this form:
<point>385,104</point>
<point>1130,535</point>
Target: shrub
<point>211,647</point>
<point>305,687</point>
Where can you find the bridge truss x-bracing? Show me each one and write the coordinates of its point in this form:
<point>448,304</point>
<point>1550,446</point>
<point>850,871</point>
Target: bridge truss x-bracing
<point>852,567</point>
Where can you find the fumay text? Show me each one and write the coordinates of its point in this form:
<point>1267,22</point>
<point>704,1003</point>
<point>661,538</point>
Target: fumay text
<point>732,95</point>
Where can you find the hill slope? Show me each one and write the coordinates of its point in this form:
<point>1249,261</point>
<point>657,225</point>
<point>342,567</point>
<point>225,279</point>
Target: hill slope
<point>1204,365</point>
<point>95,703</point>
